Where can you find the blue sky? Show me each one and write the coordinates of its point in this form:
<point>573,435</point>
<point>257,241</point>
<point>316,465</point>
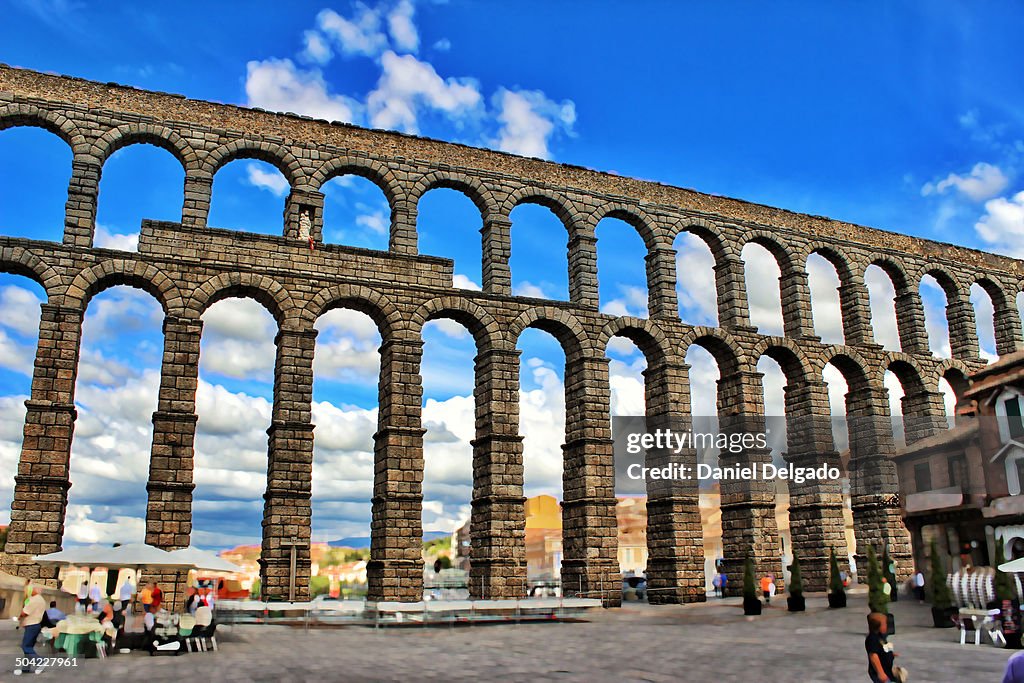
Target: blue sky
<point>904,116</point>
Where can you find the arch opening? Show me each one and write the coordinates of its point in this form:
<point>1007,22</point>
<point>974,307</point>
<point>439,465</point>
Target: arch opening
<point>621,269</point>
<point>984,321</point>
<point>248,195</point>
<point>540,269</point>
<point>346,368</point>
<point>356,213</point>
<point>37,170</point>
<point>138,181</point>
<point>882,298</point>
<point>826,308</point>
<point>696,288</point>
<point>764,295</point>
<point>934,299</point>
<point>116,392</point>
<point>448,224</point>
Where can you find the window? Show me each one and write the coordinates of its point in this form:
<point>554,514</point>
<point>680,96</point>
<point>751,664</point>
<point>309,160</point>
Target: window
<point>1013,417</point>
<point>922,477</point>
<point>957,470</point>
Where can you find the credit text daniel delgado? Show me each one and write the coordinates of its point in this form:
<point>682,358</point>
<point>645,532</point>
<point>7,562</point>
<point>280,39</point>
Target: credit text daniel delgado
<point>764,471</point>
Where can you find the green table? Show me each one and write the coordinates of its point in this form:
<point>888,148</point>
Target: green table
<point>73,643</point>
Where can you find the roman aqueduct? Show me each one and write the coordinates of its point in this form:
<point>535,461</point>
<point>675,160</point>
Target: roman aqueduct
<point>189,265</point>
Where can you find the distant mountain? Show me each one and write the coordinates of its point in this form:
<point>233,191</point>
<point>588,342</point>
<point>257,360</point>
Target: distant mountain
<point>364,541</point>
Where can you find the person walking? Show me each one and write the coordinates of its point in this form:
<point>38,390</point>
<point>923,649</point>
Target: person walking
<point>766,588</point>
<point>125,597</point>
<point>83,598</point>
<point>919,586</point>
<point>31,622</point>
<point>95,598</point>
<point>146,598</point>
<point>881,656</point>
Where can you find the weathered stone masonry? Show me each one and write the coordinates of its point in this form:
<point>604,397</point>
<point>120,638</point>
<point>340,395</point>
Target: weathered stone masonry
<point>188,266</point>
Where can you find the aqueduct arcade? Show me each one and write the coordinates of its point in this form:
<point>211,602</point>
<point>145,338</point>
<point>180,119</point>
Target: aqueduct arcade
<point>188,266</point>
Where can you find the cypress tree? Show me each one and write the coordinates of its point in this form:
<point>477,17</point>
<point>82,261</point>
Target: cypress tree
<point>878,601</point>
<point>796,584</point>
<point>940,594</point>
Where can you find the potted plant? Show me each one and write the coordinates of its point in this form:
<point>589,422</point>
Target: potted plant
<point>878,600</point>
<point>795,600</point>
<point>751,603</point>
<point>1007,602</point>
<point>943,609</point>
<point>889,572</point>
<point>836,591</point>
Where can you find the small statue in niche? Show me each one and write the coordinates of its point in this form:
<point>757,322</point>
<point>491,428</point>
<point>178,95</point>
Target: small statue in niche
<point>305,223</point>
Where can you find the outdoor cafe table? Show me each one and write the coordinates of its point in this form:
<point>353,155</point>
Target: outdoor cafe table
<point>71,633</point>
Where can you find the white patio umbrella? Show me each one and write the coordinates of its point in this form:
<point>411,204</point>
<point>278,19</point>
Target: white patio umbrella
<point>203,560</point>
<point>131,555</point>
<point>1013,566</point>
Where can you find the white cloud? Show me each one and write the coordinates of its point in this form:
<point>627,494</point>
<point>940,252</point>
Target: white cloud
<point>407,85</point>
<point>317,49</point>
<point>983,182</point>
<point>443,45</point>
<point>273,180</point>
<point>826,309</point>
<point>277,85</point>
<point>375,222</point>
<point>16,356</point>
<point>529,289</point>
<point>984,320</point>
<point>764,297</point>
<point>360,35</point>
<point>695,281</point>
<point>934,300</point>
<point>20,308</point>
<point>105,239</point>
<point>461,281</point>
<point>882,298</point>
<point>1002,226</point>
<point>401,27</point>
<point>633,302</point>
<point>529,119</point>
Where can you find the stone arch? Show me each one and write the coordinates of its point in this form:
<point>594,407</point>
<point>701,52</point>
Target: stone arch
<point>562,325</point>
<point>385,314</point>
<point>145,276</point>
<point>850,363</point>
<point>486,331</point>
<point>790,356</point>
<point>376,172</point>
<point>481,197</point>
<point>20,261</point>
<point>946,280</point>
<point>837,258</point>
<point>634,216</point>
<point>907,371</point>
<point>278,156</point>
<point>724,348</point>
<point>560,205</point>
<point>956,372</point>
<point>264,290</point>
<point>27,115</point>
<point>647,336</point>
<point>144,133</point>
<point>896,271</point>
<point>710,233</point>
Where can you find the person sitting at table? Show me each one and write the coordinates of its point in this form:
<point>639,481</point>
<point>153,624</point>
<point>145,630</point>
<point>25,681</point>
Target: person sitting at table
<point>146,598</point>
<point>106,618</point>
<point>54,614</point>
<point>192,600</point>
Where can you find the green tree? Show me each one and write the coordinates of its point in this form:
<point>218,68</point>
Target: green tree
<point>938,590</point>
<point>878,601</point>
<point>835,579</point>
<point>254,591</point>
<point>319,585</point>
<point>749,589</point>
<point>796,583</point>
<point>1005,588</point>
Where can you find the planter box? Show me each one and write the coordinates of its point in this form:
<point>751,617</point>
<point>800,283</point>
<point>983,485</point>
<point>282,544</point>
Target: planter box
<point>837,600</point>
<point>751,606</point>
<point>796,603</point>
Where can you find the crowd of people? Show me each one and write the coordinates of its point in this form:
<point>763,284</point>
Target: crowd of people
<point>114,613</point>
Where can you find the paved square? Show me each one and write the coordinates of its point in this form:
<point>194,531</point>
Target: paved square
<point>710,642</point>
